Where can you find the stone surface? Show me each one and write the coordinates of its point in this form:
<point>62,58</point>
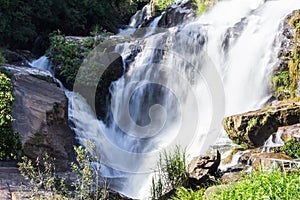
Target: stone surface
<point>231,177</point>
<point>40,111</point>
<point>200,168</point>
<point>177,14</point>
<point>289,132</point>
<point>213,190</point>
<point>255,127</point>
<point>263,161</point>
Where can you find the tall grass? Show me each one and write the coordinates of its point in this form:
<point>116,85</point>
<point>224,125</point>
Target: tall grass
<point>171,173</point>
<point>264,185</point>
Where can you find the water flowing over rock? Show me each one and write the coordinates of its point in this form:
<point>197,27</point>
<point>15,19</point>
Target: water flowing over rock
<point>40,111</point>
<point>289,132</point>
<point>255,127</point>
<point>178,87</point>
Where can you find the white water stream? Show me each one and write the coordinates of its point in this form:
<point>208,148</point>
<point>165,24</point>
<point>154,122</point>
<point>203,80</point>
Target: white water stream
<point>179,88</point>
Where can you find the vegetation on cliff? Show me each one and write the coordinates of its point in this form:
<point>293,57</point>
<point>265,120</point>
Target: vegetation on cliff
<point>285,81</point>
<point>9,140</point>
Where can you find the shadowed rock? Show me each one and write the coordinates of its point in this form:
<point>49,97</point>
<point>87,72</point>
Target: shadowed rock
<point>40,111</point>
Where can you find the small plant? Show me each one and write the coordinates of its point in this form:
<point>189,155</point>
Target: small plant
<point>2,58</point>
<point>42,177</point>
<point>188,194</point>
<point>171,173</point>
<point>291,148</point>
<point>87,184</point>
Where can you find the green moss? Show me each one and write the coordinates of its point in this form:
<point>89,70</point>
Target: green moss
<point>264,119</point>
<point>203,5</point>
<point>38,139</point>
<point>2,58</point>
<point>285,83</point>
<point>252,123</point>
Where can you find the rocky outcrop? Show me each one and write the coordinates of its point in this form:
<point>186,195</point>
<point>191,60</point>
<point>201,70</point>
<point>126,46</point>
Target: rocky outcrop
<point>177,14</point>
<point>289,132</point>
<point>255,127</point>
<point>40,111</point>
<point>200,168</point>
<point>263,161</point>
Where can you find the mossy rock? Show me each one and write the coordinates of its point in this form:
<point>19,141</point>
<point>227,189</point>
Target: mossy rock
<point>255,127</point>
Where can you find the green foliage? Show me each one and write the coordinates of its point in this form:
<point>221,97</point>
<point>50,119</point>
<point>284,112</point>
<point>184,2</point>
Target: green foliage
<point>291,148</point>
<point>160,5</point>
<point>87,184</point>
<point>42,177</point>
<point>2,58</point>
<point>9,140</point>
<point>252,123</point>
<point>67,54</point>
<point>285,82</point>
<point>171,173</point>
<point>264,185</point>
<point>188,194</point>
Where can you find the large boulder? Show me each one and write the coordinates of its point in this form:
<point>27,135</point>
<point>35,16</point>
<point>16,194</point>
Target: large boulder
<point>40,111</point>
<point>255,127</point>
<point>200,168</point>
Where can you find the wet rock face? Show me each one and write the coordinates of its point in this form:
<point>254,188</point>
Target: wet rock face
<point>286,38</point>
<point>255,127</point>
<point>201,167</point>
<point>40,111</point>
<point>289,132</point>
<point>177,14</point>
<point>263,161</point>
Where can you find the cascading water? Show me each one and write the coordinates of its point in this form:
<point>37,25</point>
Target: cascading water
<point>180,86</point>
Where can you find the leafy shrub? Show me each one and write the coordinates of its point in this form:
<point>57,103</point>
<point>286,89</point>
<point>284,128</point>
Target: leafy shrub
<point>42,178</point>
<point>2,58</point>
<point>67,54</point>
<point>87,184</point>
<point>171,173</point>
<point>291,148</point>
<point>161,5</point>
<point>188,194</point>
<point>9,140</point>
<point>264,185</point>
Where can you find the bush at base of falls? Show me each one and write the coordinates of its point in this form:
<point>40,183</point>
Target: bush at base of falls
<point>9,140</point>
<point>43,181</point>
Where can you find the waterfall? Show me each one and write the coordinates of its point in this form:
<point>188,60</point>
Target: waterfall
<point>180,86</point>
